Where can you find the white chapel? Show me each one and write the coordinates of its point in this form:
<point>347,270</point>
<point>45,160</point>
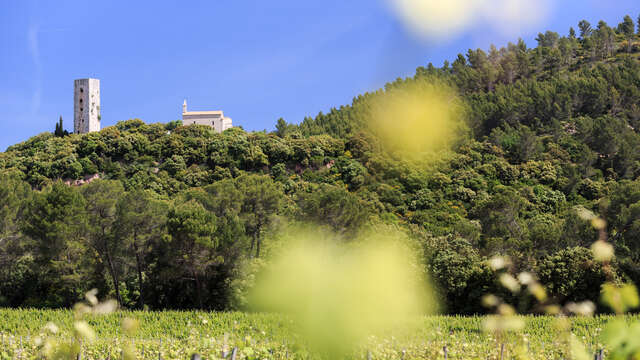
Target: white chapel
<point>215,119</point>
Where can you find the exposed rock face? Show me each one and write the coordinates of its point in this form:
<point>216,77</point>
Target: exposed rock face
<point>87,179</point>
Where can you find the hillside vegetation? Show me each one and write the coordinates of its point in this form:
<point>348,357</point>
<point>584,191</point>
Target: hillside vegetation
<point>171,216</point>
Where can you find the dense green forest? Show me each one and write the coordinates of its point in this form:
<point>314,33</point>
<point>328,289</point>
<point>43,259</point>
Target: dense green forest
<point>171,216</point>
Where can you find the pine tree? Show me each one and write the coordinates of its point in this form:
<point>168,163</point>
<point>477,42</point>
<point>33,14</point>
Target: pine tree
<point>572,33</point>
<point>585,29</point>
<point>281,128</point>
<point>626,28</point>
<point>638,23</point>
<point>605,40</point>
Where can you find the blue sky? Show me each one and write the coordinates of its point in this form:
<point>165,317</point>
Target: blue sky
<point>256,60</point>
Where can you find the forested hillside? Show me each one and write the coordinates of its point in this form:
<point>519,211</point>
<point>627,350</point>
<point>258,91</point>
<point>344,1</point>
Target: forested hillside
<point>171,216</point>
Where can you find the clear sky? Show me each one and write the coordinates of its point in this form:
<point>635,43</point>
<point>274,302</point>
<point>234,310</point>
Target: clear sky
<point>256,60</point>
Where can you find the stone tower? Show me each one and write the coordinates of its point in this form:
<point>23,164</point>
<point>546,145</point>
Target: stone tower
<point>86,106</point>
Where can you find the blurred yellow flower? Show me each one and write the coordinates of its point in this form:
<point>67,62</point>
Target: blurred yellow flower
<point>602,251</point>
<point>84,331</point>
<point>510,282</point>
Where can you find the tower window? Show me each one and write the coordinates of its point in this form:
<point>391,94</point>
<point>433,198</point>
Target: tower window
<point>81,90</point>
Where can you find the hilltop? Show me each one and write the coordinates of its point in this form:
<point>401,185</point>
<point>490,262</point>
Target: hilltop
<point>552,134</point>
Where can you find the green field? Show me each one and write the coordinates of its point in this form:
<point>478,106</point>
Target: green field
<point>176,335</point>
